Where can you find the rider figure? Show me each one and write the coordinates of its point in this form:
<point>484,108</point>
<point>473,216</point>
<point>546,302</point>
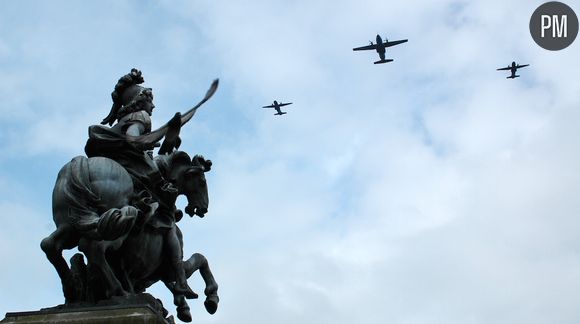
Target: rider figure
<point>132,108</point>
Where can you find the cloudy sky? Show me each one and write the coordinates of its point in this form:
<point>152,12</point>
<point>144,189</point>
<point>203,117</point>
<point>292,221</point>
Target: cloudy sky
<point>427,190</point>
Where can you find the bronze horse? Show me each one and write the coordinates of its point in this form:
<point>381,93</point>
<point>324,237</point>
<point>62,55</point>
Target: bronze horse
<point>122,231</point>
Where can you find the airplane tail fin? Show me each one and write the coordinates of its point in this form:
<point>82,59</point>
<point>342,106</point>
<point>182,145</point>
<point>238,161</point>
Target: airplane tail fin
<point>280,113</point>
<point>513,77</point>
<point>383,61</point>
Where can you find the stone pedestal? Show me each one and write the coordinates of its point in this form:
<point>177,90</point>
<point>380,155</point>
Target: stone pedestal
<point>94,315</point>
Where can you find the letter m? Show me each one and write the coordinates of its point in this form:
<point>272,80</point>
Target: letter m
<point>560,27</point>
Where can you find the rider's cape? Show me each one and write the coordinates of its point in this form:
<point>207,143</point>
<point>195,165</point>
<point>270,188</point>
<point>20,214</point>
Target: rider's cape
<point>104,141</point>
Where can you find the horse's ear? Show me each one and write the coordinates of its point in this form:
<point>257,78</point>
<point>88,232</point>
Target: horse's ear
<point>199,160</point>
<point>207,165</point>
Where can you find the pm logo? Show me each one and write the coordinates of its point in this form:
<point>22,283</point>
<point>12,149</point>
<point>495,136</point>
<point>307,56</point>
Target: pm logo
<point>554,26</point>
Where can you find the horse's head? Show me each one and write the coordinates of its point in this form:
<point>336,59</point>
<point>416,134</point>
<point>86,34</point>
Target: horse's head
<point>194,186</point>
<point>188,175</point>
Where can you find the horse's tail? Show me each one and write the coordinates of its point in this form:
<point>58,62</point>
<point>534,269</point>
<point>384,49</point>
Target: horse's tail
<point>73,191</point>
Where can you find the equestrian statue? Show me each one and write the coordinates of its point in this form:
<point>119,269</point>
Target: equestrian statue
<point>117,206</point>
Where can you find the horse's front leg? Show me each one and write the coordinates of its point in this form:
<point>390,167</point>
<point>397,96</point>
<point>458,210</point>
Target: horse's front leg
<point>198,262</point>
<point>175,256</point>
<point>183,310</point>
<point>95,252</point>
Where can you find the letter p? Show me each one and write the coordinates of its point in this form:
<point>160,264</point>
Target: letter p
<point>546,24</point>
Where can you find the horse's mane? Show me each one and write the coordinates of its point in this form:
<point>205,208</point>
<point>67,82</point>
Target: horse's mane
<point>167,162</point>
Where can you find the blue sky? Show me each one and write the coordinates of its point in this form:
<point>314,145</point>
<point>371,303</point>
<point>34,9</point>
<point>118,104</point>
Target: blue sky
<point>427,190</point>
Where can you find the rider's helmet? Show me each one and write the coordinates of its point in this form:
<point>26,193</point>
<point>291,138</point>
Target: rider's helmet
<point>129,97</point>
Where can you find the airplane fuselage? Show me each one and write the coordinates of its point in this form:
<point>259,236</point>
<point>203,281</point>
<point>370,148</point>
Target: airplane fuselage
<point>277,107</point>
<point>381,50</point>
<point>380,45</point>
<point>513,70</point>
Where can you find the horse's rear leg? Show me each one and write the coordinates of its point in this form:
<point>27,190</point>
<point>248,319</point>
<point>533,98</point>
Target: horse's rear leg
<point>95,252</point>
<point>198,262</point>
<point>53,245</point>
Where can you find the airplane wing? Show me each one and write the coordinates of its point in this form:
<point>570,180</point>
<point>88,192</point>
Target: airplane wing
<point>365,48</point>
<point>284,104</point>
<point>521,66</point>
<point>393,43</point>
<point>269,106</point>
<point>505,68</point>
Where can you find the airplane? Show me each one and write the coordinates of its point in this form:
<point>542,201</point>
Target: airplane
<point>513,68</point>
<point>276,105</point>
<point>380,48</point>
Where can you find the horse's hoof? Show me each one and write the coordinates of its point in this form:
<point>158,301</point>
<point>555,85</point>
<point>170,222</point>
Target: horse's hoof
<point>184,314</point>
<point>211,304</point>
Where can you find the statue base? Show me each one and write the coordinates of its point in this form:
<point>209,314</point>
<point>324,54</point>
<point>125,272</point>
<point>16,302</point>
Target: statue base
<point>137,309</point>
